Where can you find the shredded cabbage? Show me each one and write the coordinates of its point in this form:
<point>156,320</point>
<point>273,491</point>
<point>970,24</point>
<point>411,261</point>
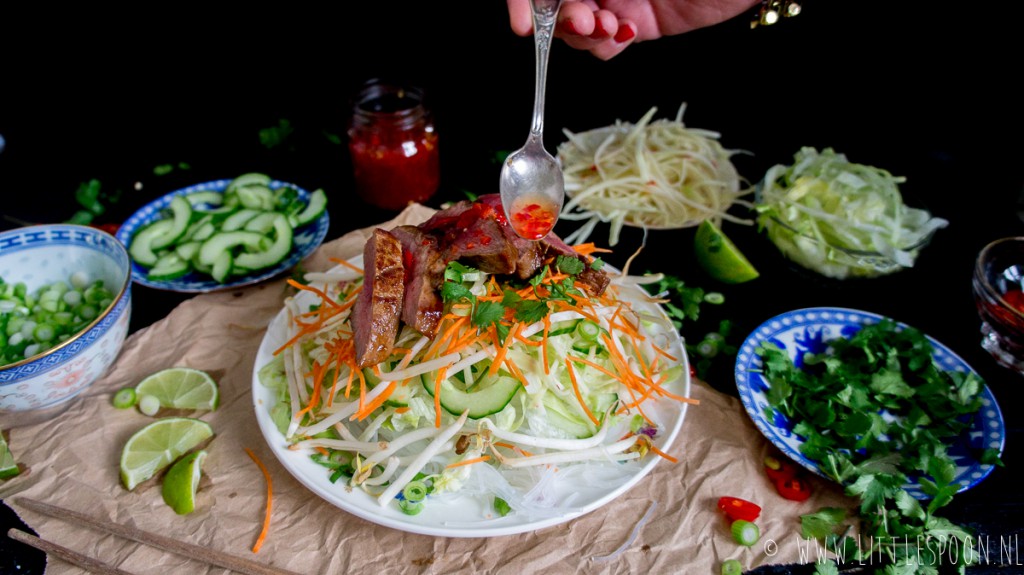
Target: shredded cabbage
<point>839,218</point>
<point>654,174</point>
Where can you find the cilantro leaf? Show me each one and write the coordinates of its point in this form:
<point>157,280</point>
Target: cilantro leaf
<point>826,568</point>
<point>455,292</point>
<point>822,523</point>
<point>454,271</point>
<point>908,505</point>
<point>569,265</point>
<point>597,264</point>
<point>487,312</point>
<point>531,311</point>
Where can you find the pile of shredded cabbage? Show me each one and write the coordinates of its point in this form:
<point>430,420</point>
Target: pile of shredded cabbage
<point>654,174</point>
<point>839,218</point>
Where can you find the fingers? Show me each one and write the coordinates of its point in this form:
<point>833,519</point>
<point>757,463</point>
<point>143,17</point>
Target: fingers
<point>520,17</point>
<point>582,24</point>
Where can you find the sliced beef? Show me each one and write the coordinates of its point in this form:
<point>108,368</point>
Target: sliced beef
<point>378,307</point>
<point>472,233</point>
<point>529,254</point>
<point>595,280</point>
<point>424,272</point>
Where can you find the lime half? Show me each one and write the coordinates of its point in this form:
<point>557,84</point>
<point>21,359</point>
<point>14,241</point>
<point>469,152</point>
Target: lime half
<point>720,257</point>
<point>8,467</point>
<point>182,481</point>
<point>155,446</point>
<point>181,388</point>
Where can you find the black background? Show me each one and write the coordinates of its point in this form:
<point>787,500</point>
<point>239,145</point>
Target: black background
<point>925,90</point>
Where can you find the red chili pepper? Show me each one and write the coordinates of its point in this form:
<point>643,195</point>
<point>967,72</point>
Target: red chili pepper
<point>736,508</point>
<point>109,228</point>
<point>778,470</point>
<point>794,489</point>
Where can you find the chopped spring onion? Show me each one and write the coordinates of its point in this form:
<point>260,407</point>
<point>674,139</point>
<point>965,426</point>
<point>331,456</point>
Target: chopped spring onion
<point>34,322</point>
<point>501,507</point>
<point>410,507</point>
<point>588,330</point>
<point>654,174</point>
<point>124,398</point>
<point>415,491</point>
<point>745,532</point>
<point>732,567</point>
<point>149,405</point>
<point>839,218</point>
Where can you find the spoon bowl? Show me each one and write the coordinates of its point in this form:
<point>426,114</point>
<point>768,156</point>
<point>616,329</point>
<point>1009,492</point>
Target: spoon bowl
<point>531,183</point>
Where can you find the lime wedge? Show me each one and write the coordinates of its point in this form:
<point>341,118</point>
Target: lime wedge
<point>182,481</point>
<point>720,257</point>
<point>155,446</point>
<point>181,388</point>
<point>8,467</point>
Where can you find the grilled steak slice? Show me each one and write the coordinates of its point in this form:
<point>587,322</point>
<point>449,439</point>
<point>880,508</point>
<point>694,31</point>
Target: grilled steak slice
<point>377,309</point>
<point>529,254</point>
<point>472,233</point>
<point>424,272</point>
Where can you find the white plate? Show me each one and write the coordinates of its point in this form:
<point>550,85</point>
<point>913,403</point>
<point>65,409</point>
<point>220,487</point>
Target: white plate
<point>809,331</point>
<point>463,516</point>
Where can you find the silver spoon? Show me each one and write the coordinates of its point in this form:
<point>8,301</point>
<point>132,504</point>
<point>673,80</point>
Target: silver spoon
<point>531,182</point>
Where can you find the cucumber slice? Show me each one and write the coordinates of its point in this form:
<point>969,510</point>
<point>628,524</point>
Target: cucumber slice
<point>188,250</point>
<point>261,224</point>
<point>237,220</point>
<point>253,178</point>
<point>277,251</point>
<point>398,398</point>
<point>222,266</point>
<point>256,197</point>
<point>314,209</point>
<point>224,242</point>
<point>209,198</point>
<point>562,416</point>
<point>141,248</point>
<point>168,267</point>
<point>182,215</point>
<point>488,397</point>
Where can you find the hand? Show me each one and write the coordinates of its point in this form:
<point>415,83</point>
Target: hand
<point>606,27</point>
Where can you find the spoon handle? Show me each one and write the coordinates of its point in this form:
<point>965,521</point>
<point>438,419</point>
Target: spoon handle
<point>544,15</point>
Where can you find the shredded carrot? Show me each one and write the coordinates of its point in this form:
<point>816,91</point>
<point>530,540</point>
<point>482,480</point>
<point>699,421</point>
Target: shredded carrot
<point>437,395</point>
<point>579,396</point>
<point>513,448</point>
<point>516,373</point>
<point>347,264</point>
<point>377,402</point>
<point>544,350</point>
<point>326,298</point>
<point>322,451</point>
<point>667,355</point>
<point>503,349</point>
<point>270,495</point>
<point>362,388</point>
<point>402,409</point>
<point>589,248</point>
<point>480,459</point>
<point>663,454</point>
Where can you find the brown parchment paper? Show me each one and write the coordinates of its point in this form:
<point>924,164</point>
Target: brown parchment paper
<point>73,462</point>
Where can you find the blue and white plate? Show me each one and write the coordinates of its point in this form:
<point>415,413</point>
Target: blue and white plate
<point>306,239</point>
<point>808,331</point>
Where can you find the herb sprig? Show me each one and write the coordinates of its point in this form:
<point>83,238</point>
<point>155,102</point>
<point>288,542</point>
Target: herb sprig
<point>876,410</point>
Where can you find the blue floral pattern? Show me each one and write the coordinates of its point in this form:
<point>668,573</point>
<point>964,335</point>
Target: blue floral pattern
<point>804,331</point>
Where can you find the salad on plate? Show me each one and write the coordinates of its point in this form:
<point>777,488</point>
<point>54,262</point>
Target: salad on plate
<point>458,380</point>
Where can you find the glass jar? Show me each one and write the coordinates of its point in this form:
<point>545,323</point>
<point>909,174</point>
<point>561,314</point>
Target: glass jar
<point>393,145</point>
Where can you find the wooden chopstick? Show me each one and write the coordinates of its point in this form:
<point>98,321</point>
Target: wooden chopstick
<point>185,549</point>
<point>73,557</point>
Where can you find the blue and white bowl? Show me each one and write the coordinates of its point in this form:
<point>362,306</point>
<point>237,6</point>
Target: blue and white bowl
<point>810,330</point>
<point>40,255</point>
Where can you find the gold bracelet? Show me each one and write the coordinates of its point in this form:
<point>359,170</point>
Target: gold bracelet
<point>772,10</point>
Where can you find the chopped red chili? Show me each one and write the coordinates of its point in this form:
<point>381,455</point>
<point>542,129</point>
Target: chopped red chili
<point>777,469</point>
<point>794,489</point>
<point>736,508</point>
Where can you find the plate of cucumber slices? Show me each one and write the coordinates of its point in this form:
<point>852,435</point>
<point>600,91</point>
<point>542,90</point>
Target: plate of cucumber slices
<point>224,233</point>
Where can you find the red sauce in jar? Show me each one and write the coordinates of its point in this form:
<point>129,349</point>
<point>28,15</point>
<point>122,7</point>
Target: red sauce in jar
<point>393,146</point>
<point>532,216</point>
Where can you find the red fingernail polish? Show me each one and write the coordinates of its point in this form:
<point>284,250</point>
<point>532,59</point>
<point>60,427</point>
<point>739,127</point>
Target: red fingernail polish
<point>570,27</point>
<point>599,30</point>
<point>625,34</point>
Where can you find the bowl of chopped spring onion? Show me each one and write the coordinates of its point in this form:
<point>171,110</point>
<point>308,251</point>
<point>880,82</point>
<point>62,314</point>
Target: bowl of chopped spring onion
<point>65,301</point>
<point>841,219</point>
